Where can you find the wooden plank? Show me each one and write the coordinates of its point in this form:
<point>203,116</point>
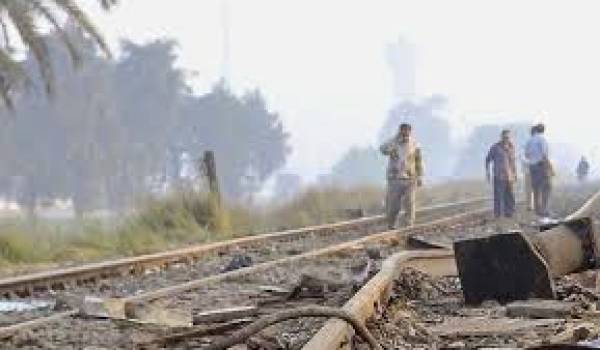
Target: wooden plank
<point>149,313</point>
<point>113,308</point>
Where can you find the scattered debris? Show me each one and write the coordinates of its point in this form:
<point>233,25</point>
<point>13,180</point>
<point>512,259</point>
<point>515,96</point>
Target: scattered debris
<point>487,327</point>
<point>22,306</point>
<point>95,307</point>
<point>260,343</point>
<point>310,286</point>
<point>238,261</point>
<point>430,312</point>
<point>416,241</point>
<point>151,313</point>
<point>120,309</point>
<point>573,334</point>
<point>309,311</point>
<point>224,315</point>
<point>587,279</point>
<point>541,309</point>
<point>274,290</point>
<point>361,272</point>
<point>373,253</point>
<point>195,332</point>
<point>416,285</point>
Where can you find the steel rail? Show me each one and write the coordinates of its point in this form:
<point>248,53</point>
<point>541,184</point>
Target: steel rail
<point>390,236</point>
<point>24,285</point>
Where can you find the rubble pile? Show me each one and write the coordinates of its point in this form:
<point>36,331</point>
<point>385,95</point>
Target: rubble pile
<point>428,312</point>
<point>412,284</point>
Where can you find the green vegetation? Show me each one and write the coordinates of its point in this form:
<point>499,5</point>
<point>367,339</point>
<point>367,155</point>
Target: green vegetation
<point>20,26</point>
<point>189,218</point>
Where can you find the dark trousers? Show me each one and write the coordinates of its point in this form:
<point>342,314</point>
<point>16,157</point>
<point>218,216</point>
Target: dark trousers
<point>540,182</point>
<point>504,198</point>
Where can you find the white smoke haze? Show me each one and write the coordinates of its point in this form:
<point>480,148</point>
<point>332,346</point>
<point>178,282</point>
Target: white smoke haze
<point>325,65</point>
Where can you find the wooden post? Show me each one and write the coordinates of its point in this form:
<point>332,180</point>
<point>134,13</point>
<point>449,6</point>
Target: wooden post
<point>211,173</point>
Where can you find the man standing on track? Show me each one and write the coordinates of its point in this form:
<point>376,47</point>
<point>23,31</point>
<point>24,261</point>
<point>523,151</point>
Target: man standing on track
<point>404,175</point>
<point>502,156</point>
<point>537,154</point>
<point>528,188</point>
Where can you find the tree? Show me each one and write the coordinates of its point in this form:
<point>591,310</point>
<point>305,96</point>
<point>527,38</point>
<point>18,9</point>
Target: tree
<point>148,95</point>
<point>24,16</point>
<point>103,136</point>
<point>249,141</point>
<point>431,130</point>
<point>115,126</point>
<point>50,147</point>
<point>359,166</point>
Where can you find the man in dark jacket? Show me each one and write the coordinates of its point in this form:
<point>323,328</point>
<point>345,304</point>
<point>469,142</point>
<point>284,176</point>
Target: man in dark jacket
<point>502,158</point>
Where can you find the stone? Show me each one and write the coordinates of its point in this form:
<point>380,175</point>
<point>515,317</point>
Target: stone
<point>113,308</point>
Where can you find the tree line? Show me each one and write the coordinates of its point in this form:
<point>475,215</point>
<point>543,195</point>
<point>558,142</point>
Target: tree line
<point>112,127</point>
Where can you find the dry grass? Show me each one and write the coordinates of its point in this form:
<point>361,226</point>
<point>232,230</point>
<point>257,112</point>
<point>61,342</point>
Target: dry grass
<point>186,218</point>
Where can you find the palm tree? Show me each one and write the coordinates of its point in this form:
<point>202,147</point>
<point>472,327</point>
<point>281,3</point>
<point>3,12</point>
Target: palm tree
<point>20,25</point>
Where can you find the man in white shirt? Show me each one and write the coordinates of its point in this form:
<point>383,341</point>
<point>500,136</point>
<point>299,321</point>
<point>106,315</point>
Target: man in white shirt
<point>528,190</point>
<point>537,154</point>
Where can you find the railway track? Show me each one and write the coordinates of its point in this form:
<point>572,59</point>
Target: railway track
<point>184,294</point>
<point>334,259</point>
<point>285,243</point>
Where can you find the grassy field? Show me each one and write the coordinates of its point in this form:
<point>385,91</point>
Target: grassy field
<point>186,218</point>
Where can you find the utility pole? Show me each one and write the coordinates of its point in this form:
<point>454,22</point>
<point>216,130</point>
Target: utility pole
<point>226,64</point>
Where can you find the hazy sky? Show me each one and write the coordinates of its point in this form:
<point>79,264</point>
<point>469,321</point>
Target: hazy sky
<point>322,64</point>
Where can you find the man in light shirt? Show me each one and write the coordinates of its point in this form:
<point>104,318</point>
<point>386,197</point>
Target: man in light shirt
<point>528,190</point>
<point>540,168</point>
<point>404,174</point>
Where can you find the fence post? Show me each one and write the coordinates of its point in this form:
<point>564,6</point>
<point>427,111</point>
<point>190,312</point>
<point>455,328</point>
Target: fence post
<point>211,174</point>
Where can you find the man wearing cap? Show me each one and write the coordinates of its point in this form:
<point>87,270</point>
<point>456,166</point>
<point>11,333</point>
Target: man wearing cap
<point>404,175</point>
<point>502,158</point>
